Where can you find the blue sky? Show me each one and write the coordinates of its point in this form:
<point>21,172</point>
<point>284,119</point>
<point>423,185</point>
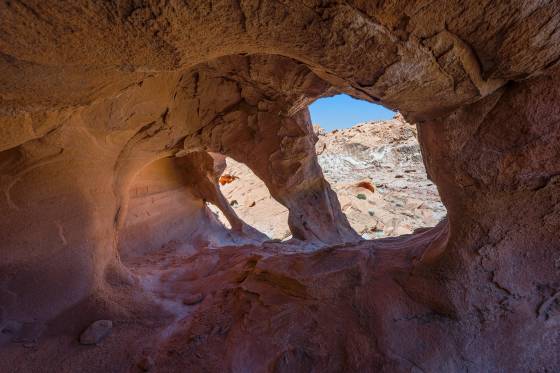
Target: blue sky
<point>343,111</point>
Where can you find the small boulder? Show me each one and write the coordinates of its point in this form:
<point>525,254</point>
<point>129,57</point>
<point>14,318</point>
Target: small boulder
<point>226,179</point>
<point>366,184</point>
<point>193,299</point>
<point>96,332</point>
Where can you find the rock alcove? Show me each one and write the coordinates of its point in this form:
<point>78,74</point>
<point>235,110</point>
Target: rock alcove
<point>107,108</point>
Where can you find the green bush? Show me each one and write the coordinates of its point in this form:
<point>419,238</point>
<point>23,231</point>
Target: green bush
<point>361,196</point>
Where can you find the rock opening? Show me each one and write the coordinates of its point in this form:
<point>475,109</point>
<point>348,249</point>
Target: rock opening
<point>376,169</point>
<point>113,118</point>
<point>251,199</point>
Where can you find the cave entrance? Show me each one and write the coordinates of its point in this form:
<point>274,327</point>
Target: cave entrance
<point>251,200</point>
<point>371,157</point>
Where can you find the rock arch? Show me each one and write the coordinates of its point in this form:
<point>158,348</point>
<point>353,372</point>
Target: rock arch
<point>93,92</point>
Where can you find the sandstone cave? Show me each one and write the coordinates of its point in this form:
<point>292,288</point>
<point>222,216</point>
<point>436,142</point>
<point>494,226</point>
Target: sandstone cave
<point>115,121</point>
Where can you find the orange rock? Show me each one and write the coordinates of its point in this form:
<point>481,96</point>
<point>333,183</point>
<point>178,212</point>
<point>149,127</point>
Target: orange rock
<point>226,179</point>
<point>366,185</point>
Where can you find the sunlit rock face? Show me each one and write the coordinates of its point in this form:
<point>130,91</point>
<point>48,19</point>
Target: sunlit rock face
<point>374,167</point>
<point>114,118</point>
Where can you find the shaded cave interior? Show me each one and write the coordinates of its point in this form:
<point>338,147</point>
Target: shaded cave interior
<point>133,151</point>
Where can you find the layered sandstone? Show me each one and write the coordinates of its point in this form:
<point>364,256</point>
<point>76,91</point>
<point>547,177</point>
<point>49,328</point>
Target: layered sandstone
<point>111,116</point>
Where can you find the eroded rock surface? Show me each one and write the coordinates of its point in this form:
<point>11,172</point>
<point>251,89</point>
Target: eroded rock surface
<point>101,103</point>
<point>376,170</point>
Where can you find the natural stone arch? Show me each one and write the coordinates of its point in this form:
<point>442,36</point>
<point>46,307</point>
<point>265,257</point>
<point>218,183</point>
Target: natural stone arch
<point>85,81</point>
<point>203,170</point>
<point>257,127</point>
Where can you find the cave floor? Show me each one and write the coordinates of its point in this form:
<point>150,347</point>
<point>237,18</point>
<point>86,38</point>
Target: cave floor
<point>184,309</point>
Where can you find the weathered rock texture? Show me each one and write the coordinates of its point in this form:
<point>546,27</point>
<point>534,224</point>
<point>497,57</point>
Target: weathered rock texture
<point>100,100</point>
<point>376,170</point>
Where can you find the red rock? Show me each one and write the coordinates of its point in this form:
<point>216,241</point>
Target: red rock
<point>366,185</point>
<point>110,121</point>
<point>226,179</point>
